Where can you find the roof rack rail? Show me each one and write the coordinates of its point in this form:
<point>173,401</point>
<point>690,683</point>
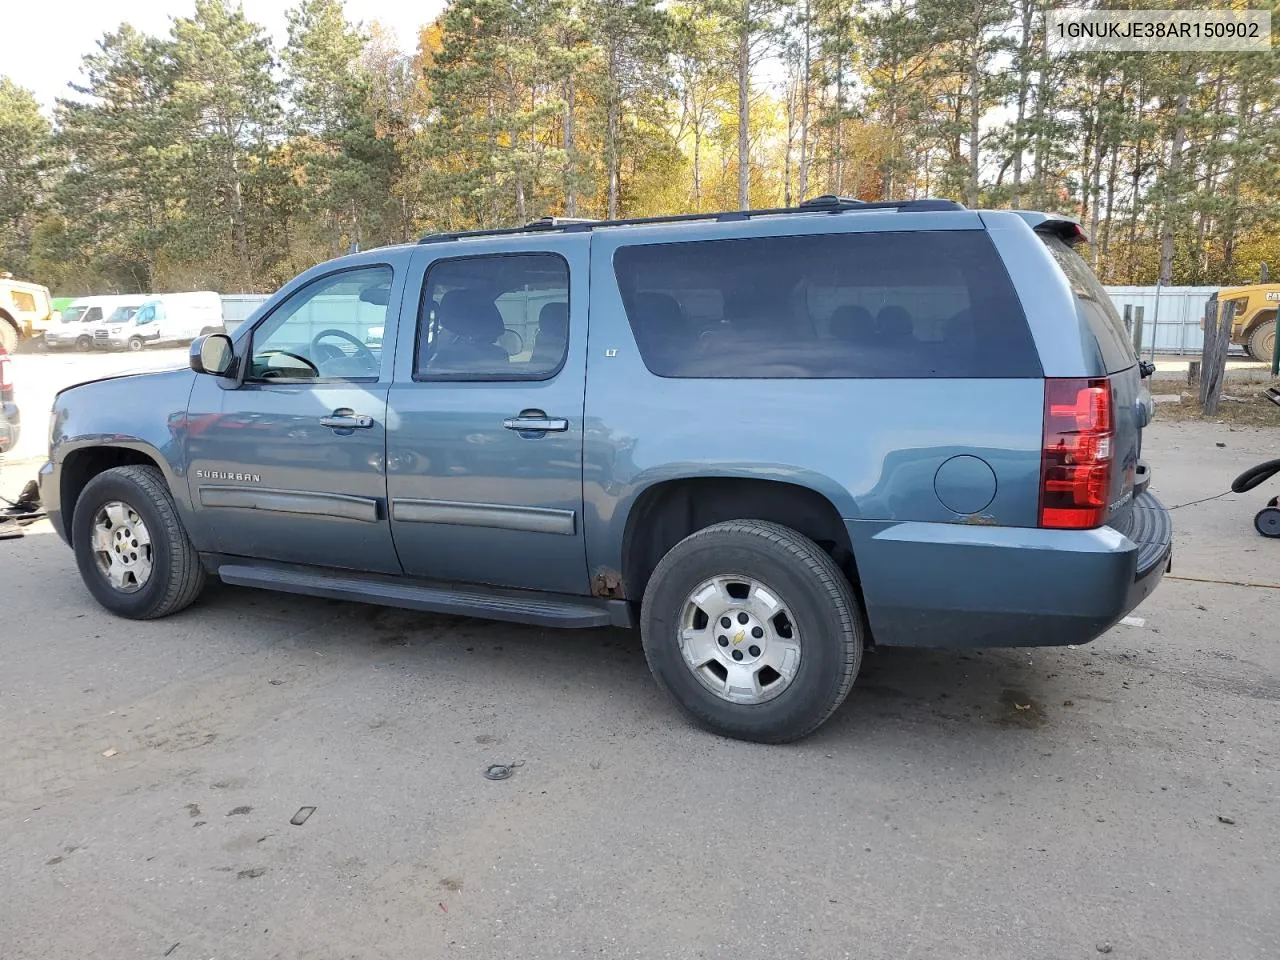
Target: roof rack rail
<point>823,204</point>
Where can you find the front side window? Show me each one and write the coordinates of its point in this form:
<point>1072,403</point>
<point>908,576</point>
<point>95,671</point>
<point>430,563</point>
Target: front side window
<point>23,301</point>
<point>322,332</point>
<point>122,314</point>
<point>93,315</point>
<point>910,304</point>
<point>150,313</point>
<point>494,318</point>
<point>74,314</point>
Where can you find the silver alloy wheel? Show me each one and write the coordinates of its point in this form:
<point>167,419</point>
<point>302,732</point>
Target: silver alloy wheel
<point>122,546</point>
<point>739,639</point>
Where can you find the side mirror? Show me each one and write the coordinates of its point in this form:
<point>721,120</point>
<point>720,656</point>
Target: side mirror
<point>213,354</point>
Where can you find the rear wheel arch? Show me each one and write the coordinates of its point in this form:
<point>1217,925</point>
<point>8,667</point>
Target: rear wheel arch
<point>667,512</point>
<point>81,466</point>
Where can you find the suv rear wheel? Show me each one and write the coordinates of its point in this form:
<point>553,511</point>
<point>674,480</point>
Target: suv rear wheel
<point>133,553</point>
<point>753,630</point>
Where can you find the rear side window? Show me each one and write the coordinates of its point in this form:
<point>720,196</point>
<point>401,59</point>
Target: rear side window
<point>1094,306</point>
<point>911,304</point>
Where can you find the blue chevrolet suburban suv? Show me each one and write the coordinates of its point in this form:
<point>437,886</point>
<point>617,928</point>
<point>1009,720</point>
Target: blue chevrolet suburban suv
<point>767,438</point>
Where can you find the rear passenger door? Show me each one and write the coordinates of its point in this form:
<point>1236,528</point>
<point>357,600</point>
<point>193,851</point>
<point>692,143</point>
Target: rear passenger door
<point>485,416</point>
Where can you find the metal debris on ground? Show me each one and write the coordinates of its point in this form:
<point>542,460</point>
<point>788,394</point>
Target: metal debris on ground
<point>300,817</point>
<point>171,949</point>
<point>501,771</point>
<point>1133,621</point>
<point>110,753</point>
<point>1227,820</point>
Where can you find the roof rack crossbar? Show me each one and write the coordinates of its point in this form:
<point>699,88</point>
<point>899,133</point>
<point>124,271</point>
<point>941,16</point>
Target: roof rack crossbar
<point>824,204</point>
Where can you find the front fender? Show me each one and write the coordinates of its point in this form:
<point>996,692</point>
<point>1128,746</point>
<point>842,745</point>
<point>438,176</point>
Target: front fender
<point>144,414</point>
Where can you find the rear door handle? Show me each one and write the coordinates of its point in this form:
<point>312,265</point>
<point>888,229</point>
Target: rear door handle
<point>539,422</point>
<point>344,418</point>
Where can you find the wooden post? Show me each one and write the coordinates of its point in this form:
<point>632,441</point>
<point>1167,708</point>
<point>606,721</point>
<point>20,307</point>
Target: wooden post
<point>1206,349</point>
<point>1216,375</point>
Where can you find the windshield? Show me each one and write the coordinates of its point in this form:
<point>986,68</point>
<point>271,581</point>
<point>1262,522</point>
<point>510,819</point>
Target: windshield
<point>74,313</point>
<point>121,314</point>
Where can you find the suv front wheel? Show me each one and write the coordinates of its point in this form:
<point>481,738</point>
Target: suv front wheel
<point>753,630</point>
<point>133,553</point>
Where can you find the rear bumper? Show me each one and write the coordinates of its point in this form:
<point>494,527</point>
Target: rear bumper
<point>956,585</point>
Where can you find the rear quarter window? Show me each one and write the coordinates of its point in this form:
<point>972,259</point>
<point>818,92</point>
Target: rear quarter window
<point>1094,306</point>
<point>854,305</point>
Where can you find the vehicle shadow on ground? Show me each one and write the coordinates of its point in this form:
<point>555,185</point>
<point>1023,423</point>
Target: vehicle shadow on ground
<point>955,692</point>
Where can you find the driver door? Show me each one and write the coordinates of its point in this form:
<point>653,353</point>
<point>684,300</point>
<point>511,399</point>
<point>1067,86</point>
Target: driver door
<point>289,464</point>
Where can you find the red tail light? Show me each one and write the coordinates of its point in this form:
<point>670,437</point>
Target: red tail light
<point>6,378</point>
<point>1075,465</point>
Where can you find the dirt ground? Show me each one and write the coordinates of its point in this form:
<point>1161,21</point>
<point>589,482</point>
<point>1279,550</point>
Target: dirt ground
<point>1117,798</point>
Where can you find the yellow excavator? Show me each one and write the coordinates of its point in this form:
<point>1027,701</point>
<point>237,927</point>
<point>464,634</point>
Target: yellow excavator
<point>1254,324</point>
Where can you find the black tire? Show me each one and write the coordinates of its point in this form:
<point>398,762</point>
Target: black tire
<point>135,344</point>
<point>1262,341</point>
<point>8,336</point>
<point>177,575</point>
<point>84,343</point>
<point>1267,522</point>
<point>826,613</point>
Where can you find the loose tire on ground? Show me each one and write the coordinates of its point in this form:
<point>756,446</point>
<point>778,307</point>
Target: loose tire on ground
<point>176,575</point>
<point>1262,341</point>
<point>792,571</point>
<point>1267,522</point>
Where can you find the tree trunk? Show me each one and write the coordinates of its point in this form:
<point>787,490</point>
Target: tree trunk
<point>1104,242</point>
<point>612,160</point>
<point>1230,219</point>
<point>570,171</point>
<point>1176,143</point>
<point>802,185</point>
<point>1024,90</point>
<point>975,112</point>
<point>697,164</point>
<point>744,107</point>
<point>837,186</point>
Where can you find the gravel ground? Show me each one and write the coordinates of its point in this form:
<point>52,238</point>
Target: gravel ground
<point>1119,797</point>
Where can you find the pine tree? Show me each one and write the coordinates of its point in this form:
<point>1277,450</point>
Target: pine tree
<point>25,142</point>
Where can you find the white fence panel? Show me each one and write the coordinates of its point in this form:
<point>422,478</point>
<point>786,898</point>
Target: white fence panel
<point>1170,315</point>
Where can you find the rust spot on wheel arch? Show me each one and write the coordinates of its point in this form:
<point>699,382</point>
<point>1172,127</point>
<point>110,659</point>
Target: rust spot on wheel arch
<point>607,585</point>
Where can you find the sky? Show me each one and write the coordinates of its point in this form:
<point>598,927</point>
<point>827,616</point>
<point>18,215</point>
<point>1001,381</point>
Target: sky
<point>55,34</point>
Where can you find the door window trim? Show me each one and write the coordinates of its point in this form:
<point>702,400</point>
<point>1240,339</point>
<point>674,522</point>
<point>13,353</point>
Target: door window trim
<point>246,360</point>
<point>424,377</point>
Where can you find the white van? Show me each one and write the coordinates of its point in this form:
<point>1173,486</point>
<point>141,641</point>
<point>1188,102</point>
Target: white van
<point>85,313</point>
<point>163,318</point>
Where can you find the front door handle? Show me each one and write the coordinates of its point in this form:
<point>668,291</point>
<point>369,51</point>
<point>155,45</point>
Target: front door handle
<point>535,421</point>
<point>344,418</point>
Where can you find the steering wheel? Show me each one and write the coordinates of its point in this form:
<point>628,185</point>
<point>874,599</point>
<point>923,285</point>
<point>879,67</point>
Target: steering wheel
<point>275,372</point>
<point>363,353</point>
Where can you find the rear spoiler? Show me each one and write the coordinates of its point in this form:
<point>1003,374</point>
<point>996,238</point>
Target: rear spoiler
<point>1067,229</point>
